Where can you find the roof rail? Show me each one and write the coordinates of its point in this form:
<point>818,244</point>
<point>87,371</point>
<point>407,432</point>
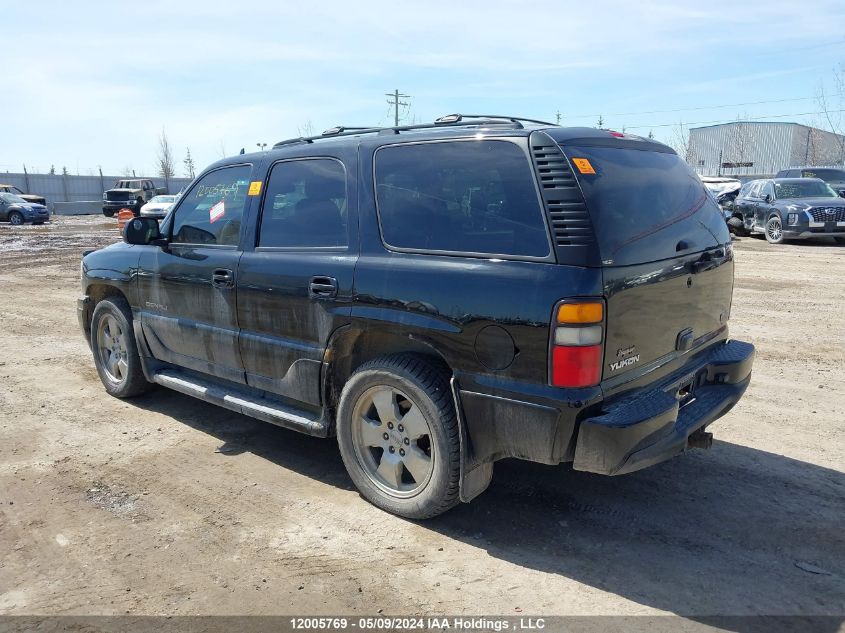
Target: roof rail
<point>456,120</point>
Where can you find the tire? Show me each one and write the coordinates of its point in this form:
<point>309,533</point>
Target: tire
<point>774,230</point>
<point>108,214</point>
<point>410,469</point>
<point>839,240</point>
<point>16,218</point>
<point>736,226</point>
<point>115,351</point>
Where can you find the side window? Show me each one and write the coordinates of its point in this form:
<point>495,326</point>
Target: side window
<point>754,192</point>
<point>305,205</point>
<point>745,190</point>
<point>767,190</point>
<point>211,211</point>
<point>459,196</point>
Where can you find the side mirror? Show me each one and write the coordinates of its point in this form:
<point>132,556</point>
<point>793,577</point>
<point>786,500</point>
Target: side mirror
<point>842,193</point>
<point>141,231</point>
<point>767,198</point>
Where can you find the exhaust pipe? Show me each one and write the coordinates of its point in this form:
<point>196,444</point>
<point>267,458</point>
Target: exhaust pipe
<point>700,439</point>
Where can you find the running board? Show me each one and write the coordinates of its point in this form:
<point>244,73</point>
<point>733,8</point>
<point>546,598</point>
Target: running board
<point>233,399</point>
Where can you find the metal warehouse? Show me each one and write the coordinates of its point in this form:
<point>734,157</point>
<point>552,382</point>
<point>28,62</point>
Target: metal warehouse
<point>761,149</point>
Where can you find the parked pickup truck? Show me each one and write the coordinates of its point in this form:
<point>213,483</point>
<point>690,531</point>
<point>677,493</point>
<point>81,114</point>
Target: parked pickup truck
<point>129,194</point>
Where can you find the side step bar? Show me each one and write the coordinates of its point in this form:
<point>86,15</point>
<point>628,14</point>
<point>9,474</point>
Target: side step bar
<point>233,399</point>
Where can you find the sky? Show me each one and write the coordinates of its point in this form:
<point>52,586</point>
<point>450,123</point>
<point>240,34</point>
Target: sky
<point>91,85</point>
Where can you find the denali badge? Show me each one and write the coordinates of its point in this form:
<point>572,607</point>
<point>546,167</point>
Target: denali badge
<point>631,360</point>
<point>624,351</point>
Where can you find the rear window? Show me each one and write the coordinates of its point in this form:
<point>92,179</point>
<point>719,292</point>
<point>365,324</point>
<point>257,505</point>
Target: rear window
<point>461,196</point>
<point>644,204</point>
<point>831,175</point>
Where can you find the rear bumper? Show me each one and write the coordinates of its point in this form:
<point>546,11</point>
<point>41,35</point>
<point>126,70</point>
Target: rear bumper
<point>653,425</point>
<point>619,434</point>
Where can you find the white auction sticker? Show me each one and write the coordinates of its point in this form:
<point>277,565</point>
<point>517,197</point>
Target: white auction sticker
<point>216,212</point>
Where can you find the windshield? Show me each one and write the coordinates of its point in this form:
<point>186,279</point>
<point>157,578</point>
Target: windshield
<point>805,189</point>
<point>10,197</point>
<point>164,199</point>
<point>646,205</point>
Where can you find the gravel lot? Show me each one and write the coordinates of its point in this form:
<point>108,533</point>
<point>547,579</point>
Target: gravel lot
<point>167,505</point>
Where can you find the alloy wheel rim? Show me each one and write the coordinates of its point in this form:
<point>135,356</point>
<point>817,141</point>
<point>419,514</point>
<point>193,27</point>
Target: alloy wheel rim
<point>774,230</point>
<point>111,346</point>
<point>16,219</point>
<point>393,441</point>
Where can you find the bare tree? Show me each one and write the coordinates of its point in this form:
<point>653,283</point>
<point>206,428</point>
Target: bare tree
<point>127,171</point>
<point>164,160</point>
<point>679,141</point>
<point>307,129</point>
<point>600,122</point>
<point>52,171</point>
<point>190,170</point>
<point>831,106</point>
<point>740,144</point>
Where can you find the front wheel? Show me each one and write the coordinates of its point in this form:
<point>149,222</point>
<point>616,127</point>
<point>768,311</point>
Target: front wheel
<point>774,230</point>
<point>398,436</point>
<point>108,213</point>
<point>115,352</point>
<point>16,218</point>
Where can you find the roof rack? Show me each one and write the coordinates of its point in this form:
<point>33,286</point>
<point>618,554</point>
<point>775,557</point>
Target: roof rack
<point>456,120</point>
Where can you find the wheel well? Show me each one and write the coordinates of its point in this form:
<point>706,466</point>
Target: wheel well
<point>96,293</point>
<point>352,348</point>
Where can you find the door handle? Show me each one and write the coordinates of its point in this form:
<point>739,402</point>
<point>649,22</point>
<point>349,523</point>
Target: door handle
<point>222,277</point>
<point>323,287</point>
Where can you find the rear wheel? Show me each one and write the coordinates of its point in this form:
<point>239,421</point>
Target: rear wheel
<point>398,436</point>
<point>115,352</point>
<point>16,218</point>
<point>839,240</point>
<point>774,230</point>
<point>108,213</point>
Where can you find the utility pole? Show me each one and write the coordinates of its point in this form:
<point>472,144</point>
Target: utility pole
<point>394,100</point>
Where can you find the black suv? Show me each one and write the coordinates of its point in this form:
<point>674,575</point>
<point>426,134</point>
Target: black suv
<point>791,208</point>
<point>834,177</point>
<point>438,297</point>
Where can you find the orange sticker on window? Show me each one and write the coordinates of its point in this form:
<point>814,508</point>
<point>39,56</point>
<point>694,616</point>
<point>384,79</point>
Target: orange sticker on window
<point>255,188</point>
<point>583,165</point>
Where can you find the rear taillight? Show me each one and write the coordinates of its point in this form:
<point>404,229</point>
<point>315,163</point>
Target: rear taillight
<point>577,343</point>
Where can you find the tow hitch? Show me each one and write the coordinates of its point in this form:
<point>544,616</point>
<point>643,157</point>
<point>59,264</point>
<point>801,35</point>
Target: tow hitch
<point>700,439</point>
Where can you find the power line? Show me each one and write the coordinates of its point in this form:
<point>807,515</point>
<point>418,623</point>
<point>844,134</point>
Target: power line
<point>712,107</point>
<point>394,101</point>
<point>753,118</point>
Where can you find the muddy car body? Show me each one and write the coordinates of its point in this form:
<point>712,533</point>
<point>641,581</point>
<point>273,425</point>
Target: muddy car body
<point>438,297</point>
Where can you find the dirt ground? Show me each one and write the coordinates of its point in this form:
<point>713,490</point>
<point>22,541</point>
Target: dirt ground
<point>167,505</point>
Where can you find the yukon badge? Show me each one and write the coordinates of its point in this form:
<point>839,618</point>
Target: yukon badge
<point>632,358</point>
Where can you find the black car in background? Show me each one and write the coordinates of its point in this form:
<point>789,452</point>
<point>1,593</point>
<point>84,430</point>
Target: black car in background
<point>834,177</point>
<point>438,297</point>
<point>791,208</point>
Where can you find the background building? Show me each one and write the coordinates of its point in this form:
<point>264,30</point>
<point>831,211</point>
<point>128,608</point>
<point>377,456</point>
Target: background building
<point>760,149</point>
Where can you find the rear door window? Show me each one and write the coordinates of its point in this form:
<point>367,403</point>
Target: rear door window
<point>645,205</point>
<point>305,205</point>
<point>467,197</point>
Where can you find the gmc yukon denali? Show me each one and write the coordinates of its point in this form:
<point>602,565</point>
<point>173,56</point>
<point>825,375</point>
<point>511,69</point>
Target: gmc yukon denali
<point>437,297</point>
